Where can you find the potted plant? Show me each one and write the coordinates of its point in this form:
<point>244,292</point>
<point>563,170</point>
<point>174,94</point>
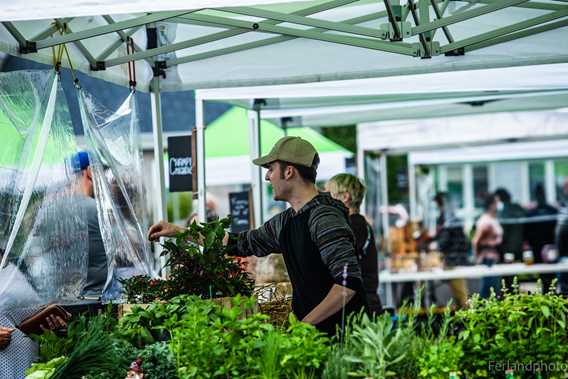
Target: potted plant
<point>204,270</point>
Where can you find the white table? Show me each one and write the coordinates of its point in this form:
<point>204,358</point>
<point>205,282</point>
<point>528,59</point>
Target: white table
<point>466,272</point>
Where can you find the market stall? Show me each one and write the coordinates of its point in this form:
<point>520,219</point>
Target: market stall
<point>492,35</point>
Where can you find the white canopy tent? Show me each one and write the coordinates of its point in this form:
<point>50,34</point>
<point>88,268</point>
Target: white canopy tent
<point>462,131</point>
<point>491,94</point>
<point>469,138</point>
<point>203,48</point>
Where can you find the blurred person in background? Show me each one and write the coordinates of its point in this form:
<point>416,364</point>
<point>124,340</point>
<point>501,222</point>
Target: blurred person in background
<point>453,244</point>
<point>540,231</point>
<point>350,191</point>
<point>98,265</point>
<point>562,237</point>
<point>486,241</point>
<point>511,217</point>
<point>211,209</point>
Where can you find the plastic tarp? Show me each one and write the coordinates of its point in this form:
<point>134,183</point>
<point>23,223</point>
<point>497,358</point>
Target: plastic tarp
<point>45,228</point>
<point>292,60</point>
<point>43,231</point>
<point>112,137</point>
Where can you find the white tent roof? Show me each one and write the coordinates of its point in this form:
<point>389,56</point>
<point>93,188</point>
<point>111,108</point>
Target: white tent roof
<point>457,104</point>
<point>420,96</point>
<point>493,153</point>
<point>463,131</point>
<point>319,41</point>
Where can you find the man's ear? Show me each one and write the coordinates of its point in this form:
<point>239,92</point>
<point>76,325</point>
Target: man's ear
<point>89,173</point>
<point>289,172</point>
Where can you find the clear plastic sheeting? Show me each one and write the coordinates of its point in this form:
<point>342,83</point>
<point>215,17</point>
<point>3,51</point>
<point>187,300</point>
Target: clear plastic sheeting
<point>116,163</point>
<point>43,232</point>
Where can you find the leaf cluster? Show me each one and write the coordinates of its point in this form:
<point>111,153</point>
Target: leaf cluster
<point>519,328</point>
<point>208,340</point>
<point>205,271</point>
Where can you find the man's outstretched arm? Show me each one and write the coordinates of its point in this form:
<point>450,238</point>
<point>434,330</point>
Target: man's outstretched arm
<point>259,242</point>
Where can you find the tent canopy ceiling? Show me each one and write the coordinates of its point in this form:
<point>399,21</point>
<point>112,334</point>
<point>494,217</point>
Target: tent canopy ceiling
<point>347,102</point>
<point>287,43</point>
<point>459,132</point>
<point>417,110</point>
<point>492,153</point>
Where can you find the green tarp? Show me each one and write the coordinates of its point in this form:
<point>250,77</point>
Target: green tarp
<point>228,136</point>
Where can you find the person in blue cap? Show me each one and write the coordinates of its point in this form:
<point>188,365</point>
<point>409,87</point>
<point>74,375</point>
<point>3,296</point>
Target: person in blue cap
<point>97,266</point>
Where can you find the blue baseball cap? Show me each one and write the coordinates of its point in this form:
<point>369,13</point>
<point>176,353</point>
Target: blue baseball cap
<point>80,161</point>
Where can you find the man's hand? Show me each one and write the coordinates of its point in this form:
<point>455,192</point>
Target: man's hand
<point>336,298</point>
<point>5,337</point>
<point>163,229</point>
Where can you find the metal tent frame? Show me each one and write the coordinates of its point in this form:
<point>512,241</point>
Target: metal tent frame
<point>407,29</point>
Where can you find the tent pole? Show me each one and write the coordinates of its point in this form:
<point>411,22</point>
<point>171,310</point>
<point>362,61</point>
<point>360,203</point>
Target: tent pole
<point>412,190</point>
<point>361,167</point>
<point>255,152</point>
<point>200,126</point>
<point>468,196</point>
<point>384,199</point>
<point>160,206</point>
<point>549,182</point>
<point>156,105</point>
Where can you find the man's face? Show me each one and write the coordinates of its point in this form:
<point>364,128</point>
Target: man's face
<point>279,179</point>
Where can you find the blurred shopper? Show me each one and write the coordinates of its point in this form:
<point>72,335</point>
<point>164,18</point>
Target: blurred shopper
<point>313,235</point>
<point>97,266</point>
<point>350,190</point>
<point>511,217</point>
<point>488,236</point>
<point>562,237</point>
<point>540,231</point>
<point>210,209</point>
<point>453,244</point>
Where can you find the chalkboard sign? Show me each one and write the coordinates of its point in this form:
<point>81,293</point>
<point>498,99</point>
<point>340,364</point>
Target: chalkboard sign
<point>239,203</point>
<point>180,163</point>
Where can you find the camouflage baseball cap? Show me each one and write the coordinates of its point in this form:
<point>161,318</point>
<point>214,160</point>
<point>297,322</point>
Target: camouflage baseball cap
<point>289,149</point>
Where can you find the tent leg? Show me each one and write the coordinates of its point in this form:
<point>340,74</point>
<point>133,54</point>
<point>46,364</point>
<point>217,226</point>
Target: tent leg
<point>468,196</point>
<point>549,182</point>
<point>361,171</point>
<point>384,199</point>
<point>160,206</point>
<point>200,126</point>
<point>256,178</point>
<point>412,191</point>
